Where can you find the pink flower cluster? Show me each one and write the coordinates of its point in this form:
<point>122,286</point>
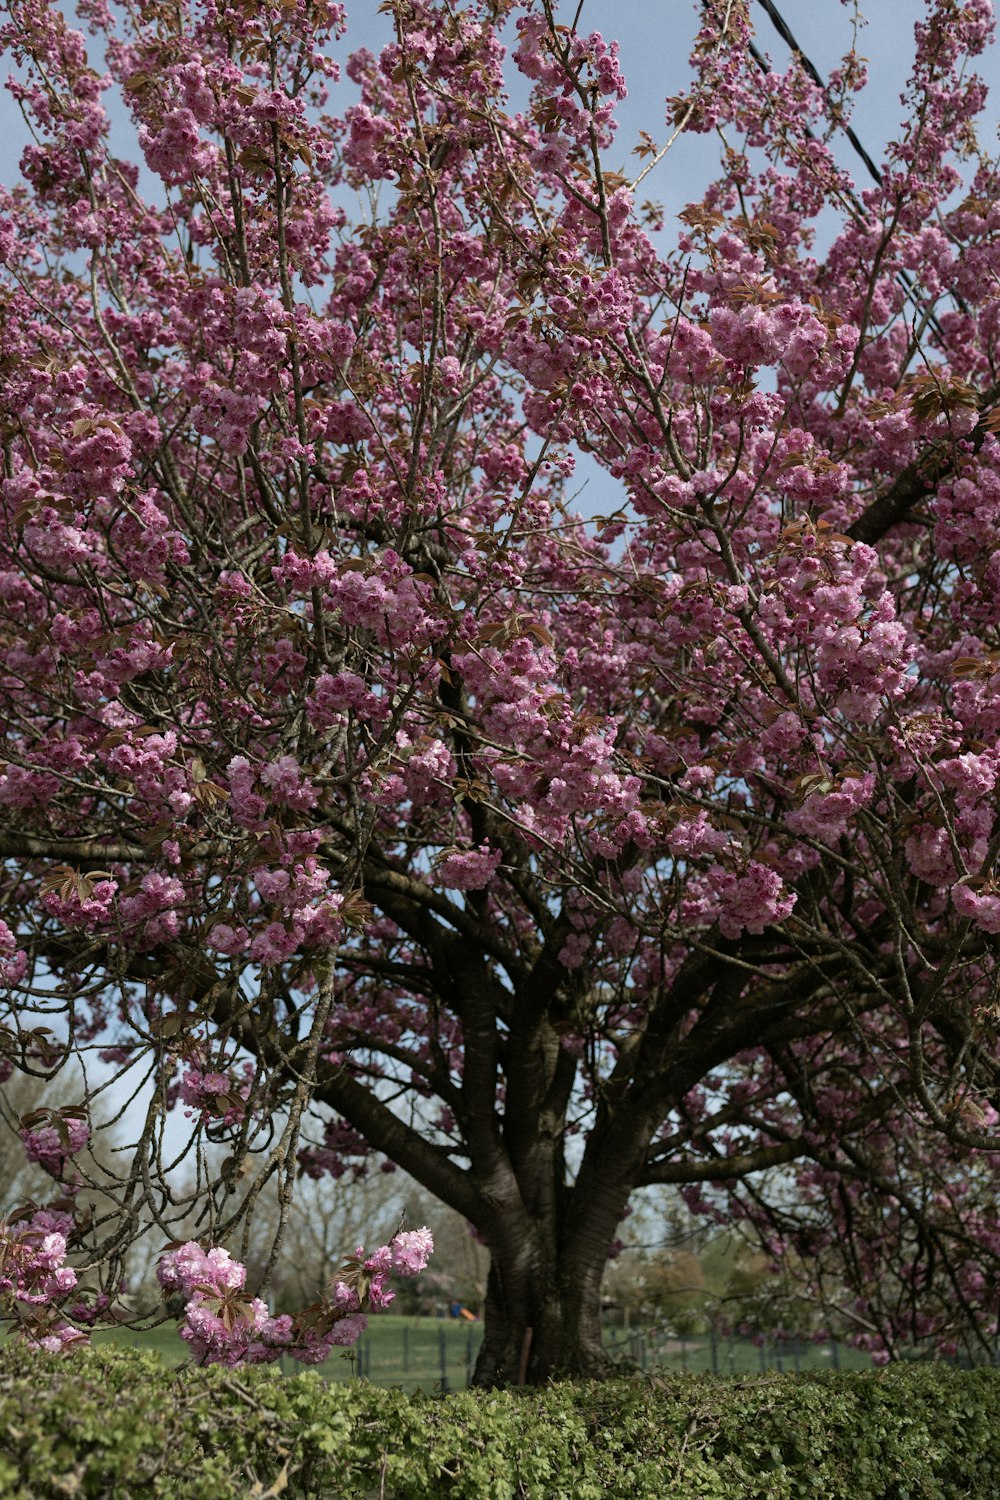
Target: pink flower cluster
<point>222,1325</point>
<point>217,1096</point>
<point>752,900</point>
<point>753,336</point>
<point>34,1278</point>
<point>13,960</point>
<point>293,905</point>
<point>983,907</point>
<point>469,869</point>
<point>51,1146</point>
<point>411,1249</point>
<point>343,1149</point>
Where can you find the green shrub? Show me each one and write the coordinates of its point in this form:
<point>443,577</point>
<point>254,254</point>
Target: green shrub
<point>119,1425</point>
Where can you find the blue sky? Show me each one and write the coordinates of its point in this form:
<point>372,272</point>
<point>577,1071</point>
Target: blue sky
<point>655,38</point>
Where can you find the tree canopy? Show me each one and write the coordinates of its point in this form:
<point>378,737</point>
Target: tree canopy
<point>360,796</point>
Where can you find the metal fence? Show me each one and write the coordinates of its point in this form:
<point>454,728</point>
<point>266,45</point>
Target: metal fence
<point>423,1354</point>
<point>718,1354</point>
<point>441,1355</point>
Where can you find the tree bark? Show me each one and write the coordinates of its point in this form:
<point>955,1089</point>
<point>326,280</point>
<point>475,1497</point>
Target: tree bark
<point>542,1320</point>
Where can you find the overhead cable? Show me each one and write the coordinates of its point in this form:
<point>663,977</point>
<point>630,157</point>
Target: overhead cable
<point>903,278</point>
<point>781,27</point>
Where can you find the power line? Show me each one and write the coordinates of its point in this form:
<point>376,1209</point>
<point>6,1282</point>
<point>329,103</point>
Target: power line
<point>903,278</point>
<point>781,27</point>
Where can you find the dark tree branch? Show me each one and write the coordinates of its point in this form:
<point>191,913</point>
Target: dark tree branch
<point>917,481</point>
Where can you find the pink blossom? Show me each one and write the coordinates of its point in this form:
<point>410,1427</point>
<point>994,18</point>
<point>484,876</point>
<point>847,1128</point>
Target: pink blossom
<point>34,1276</point>
<point>469,870</point>
<point>983,907</point>
<point>227,939</point>
<point>51,1146</point>
<point>410,1251</point>
<point>13,961</point>
<point>751,901</point>
<point>216,1095</point>
<point>284,778</point>
<point>175,152</point>
<point>274,944</point>
<point>222,1327</point>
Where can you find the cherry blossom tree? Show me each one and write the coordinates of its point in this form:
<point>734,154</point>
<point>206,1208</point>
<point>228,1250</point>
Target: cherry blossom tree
<point>358,796</point>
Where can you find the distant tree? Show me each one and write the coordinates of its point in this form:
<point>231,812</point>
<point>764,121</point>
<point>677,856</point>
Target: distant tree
<point>322,1227</point>
<point>22,1178</point>
<point>673,1268</point>
<point>460,1269</point>
<point>348,774</point>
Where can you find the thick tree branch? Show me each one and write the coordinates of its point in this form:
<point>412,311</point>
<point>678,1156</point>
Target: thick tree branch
<point>401,1143</point>
<point>82,851</point>
<point>727,1169</point>
<point>917,481</point>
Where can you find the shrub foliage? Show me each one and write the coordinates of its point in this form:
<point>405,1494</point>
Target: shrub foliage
<point>119,1425</point>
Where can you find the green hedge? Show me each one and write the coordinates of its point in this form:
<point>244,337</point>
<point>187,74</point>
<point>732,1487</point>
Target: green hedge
<point>118,1425</point>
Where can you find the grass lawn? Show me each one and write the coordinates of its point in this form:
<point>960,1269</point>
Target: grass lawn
<point>425,1352</point>
<point>729,1356</point>
<point>408,1352</point>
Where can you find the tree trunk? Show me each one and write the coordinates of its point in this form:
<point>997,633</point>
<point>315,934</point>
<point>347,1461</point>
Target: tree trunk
<point>542,1319</point>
